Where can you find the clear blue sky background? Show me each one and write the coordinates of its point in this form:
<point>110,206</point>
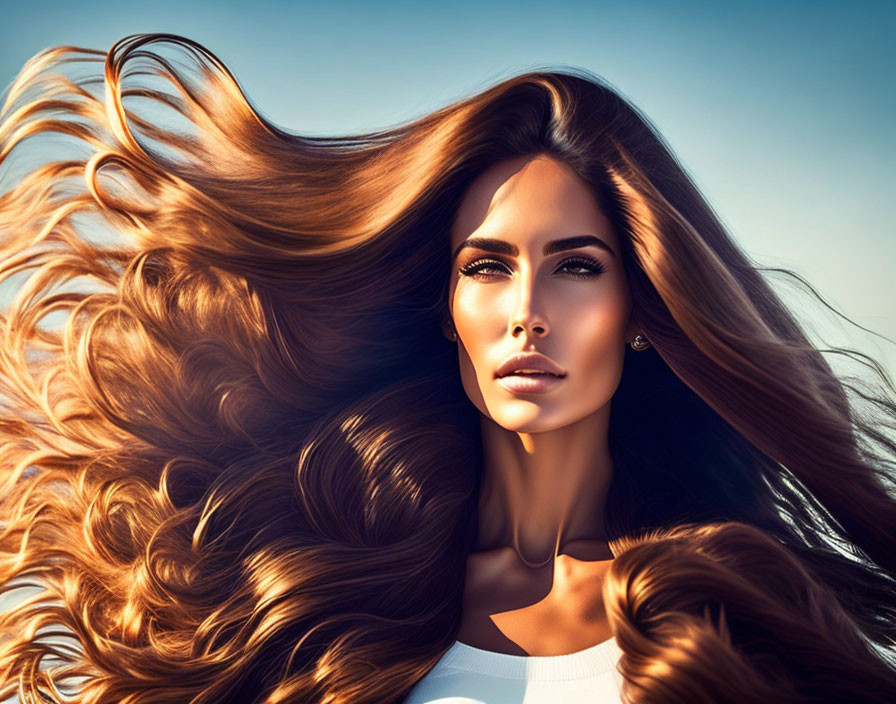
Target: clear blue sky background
<point>782,111</point>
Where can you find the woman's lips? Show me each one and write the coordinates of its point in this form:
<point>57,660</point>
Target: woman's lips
<point>530,383</point>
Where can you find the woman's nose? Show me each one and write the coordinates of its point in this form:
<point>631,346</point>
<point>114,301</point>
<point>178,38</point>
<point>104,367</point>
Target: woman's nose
<point>533,328</point>
<point>527,319</point>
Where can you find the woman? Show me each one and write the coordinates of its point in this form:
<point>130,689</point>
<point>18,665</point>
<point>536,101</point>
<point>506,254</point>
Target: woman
<point>285,448</point>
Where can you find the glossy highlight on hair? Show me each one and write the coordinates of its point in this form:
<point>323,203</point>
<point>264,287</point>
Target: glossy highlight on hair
<point>728,608</point>
<point>243,467</point>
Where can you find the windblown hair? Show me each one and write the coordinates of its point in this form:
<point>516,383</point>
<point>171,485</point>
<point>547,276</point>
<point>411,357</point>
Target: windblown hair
<point>237,461</point>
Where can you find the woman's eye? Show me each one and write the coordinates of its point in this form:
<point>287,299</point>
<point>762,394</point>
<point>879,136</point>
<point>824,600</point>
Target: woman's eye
<point>476,268</point>
<point>580,268</point>
<point>586,267</point>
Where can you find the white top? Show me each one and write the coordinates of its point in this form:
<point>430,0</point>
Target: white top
<point>468,675</point>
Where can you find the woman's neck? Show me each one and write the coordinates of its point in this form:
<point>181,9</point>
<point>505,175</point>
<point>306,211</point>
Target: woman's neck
<point>542,490</point>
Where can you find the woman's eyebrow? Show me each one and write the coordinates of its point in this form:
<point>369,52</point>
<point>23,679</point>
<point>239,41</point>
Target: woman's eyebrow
<point>490,244</point>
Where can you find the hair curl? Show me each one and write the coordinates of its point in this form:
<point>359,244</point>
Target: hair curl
<point>237,461</point>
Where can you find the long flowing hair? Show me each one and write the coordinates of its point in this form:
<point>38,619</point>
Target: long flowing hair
<point>236,457</point>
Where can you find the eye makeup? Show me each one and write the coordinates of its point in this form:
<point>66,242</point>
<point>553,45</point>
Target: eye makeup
<point>592,267</point>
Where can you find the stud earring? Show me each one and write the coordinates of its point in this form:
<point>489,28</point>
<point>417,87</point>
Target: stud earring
<point>452,333</point>
<point>640,343</point>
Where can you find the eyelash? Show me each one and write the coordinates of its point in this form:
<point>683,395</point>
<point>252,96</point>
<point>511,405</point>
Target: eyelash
<point>595,267</point>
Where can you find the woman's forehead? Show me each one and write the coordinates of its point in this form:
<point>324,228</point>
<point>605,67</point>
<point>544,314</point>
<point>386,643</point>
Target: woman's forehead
<point>527,200</point>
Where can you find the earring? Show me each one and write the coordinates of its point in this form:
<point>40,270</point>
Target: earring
<point>452,333</point>
<point>640,343</point>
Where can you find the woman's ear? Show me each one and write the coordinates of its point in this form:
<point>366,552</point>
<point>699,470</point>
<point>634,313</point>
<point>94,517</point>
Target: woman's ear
<point>632,328</point>
<point>448,329</point>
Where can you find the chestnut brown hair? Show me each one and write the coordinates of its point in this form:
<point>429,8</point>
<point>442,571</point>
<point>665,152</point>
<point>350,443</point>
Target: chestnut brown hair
<point>237,461</point>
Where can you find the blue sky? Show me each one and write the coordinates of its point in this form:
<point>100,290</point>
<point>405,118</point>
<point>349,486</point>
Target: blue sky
<point>782,111</point>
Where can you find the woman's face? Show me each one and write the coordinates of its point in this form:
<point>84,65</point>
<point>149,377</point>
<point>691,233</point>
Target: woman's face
<point>507,295</point>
